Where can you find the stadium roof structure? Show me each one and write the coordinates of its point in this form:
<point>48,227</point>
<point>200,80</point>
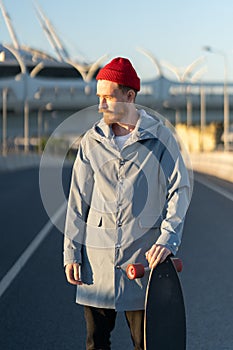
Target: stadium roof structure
<point>36,62</point>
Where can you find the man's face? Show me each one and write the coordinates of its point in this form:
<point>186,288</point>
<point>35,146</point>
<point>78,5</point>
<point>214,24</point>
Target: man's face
<point>113,103</point>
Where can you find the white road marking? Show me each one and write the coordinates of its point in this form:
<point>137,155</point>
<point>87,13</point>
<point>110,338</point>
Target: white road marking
<point>214,187</point>
<point>29,251</point>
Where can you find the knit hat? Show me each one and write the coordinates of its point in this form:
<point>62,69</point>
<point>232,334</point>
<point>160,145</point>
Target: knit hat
<point>121,71</point>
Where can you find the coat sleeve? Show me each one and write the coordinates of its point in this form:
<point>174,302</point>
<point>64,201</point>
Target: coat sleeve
<point>78,208</point>
<point>177,196</point>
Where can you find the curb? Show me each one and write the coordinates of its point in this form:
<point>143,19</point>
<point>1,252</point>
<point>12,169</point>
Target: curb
<point>218,164</point>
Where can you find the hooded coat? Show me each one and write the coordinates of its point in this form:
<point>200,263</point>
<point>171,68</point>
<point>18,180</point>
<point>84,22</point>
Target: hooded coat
<point>122,202</point>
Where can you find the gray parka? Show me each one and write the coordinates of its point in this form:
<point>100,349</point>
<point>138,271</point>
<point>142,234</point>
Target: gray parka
<point>121,202</point>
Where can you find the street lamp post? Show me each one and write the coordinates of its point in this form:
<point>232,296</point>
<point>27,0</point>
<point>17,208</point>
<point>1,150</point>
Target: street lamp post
<point>39,127</point>
<point>226,96</point>
<point>4,121</point>
<point>47,107</point>
<point>203,116</point>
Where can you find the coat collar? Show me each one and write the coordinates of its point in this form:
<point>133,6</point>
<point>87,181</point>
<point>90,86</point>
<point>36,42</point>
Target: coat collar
<point>146,128</point>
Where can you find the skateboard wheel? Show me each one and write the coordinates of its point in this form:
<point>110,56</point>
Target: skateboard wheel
<point>178,264</point>
<point>135,271</point>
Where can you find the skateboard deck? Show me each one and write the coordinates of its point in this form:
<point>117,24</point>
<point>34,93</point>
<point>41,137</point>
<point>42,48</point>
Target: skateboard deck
<point>164,321</point>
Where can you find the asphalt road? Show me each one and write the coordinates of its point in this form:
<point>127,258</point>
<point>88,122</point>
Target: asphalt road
<point>38,311</point>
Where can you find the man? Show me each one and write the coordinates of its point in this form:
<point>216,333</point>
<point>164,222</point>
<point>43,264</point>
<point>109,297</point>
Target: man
<point>128,198</point>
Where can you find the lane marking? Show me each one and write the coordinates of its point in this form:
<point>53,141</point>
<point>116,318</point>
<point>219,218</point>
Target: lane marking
<point>29,251</point>
<point>214,187</point>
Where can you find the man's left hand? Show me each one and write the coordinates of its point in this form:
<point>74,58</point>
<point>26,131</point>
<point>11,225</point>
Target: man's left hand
<point>156,255</point>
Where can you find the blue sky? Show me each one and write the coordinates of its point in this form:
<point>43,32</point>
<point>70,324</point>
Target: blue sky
<point>173,30</point>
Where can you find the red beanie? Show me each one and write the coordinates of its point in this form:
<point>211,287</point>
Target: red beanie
<point>121,71</point>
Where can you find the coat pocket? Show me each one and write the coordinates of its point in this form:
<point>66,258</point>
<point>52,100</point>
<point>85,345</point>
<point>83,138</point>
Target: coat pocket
<point>95,220</point>
<point>101,220</point>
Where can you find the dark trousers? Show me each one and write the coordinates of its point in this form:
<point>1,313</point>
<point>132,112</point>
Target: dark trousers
<point>101,322</point>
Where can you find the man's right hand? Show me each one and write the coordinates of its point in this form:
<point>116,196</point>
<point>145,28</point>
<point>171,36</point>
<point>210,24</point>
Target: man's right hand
<point>72,274</point>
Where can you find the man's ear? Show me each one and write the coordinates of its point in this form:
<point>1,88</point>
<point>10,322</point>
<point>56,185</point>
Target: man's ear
<point>131,96</point>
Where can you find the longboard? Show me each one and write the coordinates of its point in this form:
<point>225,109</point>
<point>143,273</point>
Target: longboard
<point>164,320</point>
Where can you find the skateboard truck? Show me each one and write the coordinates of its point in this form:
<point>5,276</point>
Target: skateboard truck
<point>138,270</point>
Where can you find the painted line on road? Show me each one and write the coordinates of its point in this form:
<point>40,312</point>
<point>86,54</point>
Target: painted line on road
<point>29,251</point>
<point>214,187</point>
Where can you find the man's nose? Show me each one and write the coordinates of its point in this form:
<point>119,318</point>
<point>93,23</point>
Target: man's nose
<point>103,103</point>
